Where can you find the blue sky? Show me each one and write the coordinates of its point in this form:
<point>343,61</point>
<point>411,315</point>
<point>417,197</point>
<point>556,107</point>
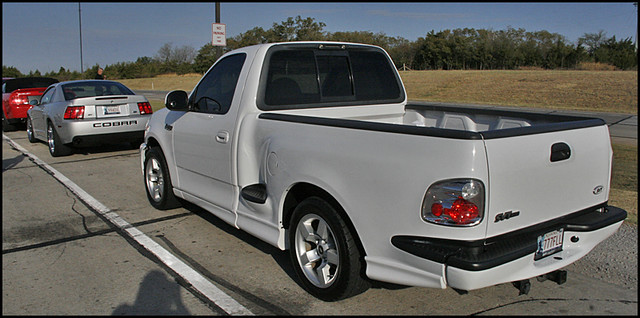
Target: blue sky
<point>46,36</point>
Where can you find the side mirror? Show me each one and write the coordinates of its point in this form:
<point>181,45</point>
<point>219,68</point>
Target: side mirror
<point>177,100</point>
<point>34,102</point>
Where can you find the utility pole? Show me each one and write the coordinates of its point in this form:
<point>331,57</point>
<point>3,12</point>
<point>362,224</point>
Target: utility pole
<point>635,4</point>
<point>80,26</point>
<point>218,31</point>
<point>217,12</point>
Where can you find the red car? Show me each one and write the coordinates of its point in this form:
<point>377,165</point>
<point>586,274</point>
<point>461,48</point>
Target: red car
<point>16,94</point>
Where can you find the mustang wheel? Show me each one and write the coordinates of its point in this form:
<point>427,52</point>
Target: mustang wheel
<point>324,253</point>
<point>30,136</point>
<point>56,148</point>
<point>158,182</point>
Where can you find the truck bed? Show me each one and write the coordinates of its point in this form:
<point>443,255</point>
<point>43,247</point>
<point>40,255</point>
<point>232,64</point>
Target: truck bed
<point>437,120</point>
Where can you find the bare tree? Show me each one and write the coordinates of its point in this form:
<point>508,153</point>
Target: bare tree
<point>592,41</point>
<point>164,53</point>
<point>184,54</point>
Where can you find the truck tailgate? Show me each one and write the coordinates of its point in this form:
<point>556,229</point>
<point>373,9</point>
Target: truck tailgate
<point>540,177</point>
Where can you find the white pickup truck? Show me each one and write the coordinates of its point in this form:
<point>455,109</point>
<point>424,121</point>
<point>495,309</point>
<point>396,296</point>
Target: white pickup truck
<point>313,148</point>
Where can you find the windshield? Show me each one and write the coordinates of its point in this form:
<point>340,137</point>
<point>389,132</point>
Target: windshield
<point>94,88</point>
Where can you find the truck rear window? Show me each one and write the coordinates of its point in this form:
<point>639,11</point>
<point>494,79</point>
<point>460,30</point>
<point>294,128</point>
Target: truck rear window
<point>305,76</point>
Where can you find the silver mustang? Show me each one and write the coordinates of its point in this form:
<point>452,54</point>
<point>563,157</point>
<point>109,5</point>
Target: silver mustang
<point>87,112</point>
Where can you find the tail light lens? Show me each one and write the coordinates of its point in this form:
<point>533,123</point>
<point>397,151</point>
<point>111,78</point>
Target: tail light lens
<point>74,112</point>
<point>458,202</point>
<point>20,100</point>
<point>145,108</point>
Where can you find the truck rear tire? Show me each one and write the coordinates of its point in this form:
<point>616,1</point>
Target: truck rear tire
<point>324,252</point>
<point>158,182</point>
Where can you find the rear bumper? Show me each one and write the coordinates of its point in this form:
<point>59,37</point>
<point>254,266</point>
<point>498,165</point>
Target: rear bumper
<point>510,257</point>
<point>90,140</point>
<point>89,132</point>
<point>17,114</point>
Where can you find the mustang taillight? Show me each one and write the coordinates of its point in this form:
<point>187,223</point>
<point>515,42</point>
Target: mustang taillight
<point>20,100</point>
<point>145,108</point>
<point>458,202</point>
<point>74,112</point>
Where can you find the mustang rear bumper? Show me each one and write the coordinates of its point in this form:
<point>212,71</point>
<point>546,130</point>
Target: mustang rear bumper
<point>510,257</point>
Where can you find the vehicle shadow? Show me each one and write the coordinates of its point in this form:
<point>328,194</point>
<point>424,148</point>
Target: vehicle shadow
<point>157,296</point>
<point>103,148</point>
<point>100,148</point>
<point>281,257</point>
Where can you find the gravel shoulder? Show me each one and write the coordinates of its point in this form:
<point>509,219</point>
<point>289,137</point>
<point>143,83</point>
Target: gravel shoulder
<point>615,260</point>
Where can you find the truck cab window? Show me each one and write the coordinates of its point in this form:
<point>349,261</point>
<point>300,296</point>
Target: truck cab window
<point>335,76</point>
<point>215,92</point>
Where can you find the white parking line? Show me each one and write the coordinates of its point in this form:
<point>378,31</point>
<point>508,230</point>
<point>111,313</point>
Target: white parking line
<point>199,282</point>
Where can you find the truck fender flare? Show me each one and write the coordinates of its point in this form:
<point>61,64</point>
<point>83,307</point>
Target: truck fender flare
<point>302,190</point>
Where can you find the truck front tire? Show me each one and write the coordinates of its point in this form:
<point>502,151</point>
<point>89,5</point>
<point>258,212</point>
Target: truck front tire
<point>158,182</point>
<point>324,252</point>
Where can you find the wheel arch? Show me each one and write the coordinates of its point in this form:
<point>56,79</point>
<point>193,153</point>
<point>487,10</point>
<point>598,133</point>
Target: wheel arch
<point>152,142</point>
<point>303,190</point>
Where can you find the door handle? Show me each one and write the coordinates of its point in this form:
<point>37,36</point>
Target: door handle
<point>560,151</point>
<point>222,137</point>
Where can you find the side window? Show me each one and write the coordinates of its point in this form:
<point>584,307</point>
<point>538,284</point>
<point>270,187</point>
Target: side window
<point>215,92</point>
<point>46,97</point>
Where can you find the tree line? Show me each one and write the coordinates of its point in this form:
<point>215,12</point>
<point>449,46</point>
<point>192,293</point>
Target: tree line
<point>459,49</point>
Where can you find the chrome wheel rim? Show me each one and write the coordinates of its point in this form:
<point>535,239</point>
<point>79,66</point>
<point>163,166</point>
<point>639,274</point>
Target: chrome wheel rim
<point>50,141</point>
<point>29,129</point>
<point>316,250</point>
<point>154,178</point>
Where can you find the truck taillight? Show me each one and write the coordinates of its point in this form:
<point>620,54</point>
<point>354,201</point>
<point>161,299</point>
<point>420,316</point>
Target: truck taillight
<point>458,202</point>
<point>145,108</point>
<point>74,112</point>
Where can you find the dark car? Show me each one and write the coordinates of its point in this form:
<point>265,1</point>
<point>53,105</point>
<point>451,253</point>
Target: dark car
<point>16,95</point>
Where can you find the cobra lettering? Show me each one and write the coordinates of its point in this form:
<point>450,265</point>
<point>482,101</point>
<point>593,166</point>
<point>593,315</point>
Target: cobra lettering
<point>116,123</point>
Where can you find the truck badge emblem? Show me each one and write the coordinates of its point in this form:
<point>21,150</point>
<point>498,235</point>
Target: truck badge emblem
<point>597,190</point>
<point>505,216</point>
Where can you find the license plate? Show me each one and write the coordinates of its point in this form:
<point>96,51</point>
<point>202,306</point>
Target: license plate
<point>549,243</point>
<point>110,110</point>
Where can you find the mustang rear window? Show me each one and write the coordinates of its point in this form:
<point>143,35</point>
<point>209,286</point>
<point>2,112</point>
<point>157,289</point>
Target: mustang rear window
<point>312,76</point>
<point>94,88</point>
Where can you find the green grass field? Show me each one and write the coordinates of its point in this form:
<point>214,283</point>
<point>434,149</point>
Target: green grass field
<point>606,91</point>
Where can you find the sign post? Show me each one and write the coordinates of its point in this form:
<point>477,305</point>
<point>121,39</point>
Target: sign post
<point>219,34</point>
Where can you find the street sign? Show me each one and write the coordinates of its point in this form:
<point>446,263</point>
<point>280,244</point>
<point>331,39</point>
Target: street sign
<point>219,34</point>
